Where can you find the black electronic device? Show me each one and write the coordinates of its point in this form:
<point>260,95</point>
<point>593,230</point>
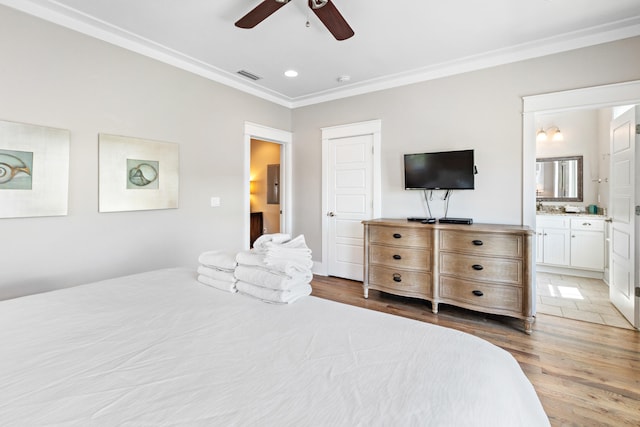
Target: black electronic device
<point>446,170</point>
<point>416,219</point>
<point>456,221</point>
<point>428,221</point>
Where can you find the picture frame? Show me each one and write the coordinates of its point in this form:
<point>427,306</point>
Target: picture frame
<point>34,170</point>
<point>137,174</point>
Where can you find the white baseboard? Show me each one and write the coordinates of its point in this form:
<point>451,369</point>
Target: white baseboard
<point>319,268</point>
<point>570,271</point>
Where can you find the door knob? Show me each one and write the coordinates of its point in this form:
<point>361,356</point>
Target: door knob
<point>331,214</point>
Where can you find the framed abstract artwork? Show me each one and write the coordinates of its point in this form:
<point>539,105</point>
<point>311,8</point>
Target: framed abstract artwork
<point>137,174</point>
<point>34,170</point>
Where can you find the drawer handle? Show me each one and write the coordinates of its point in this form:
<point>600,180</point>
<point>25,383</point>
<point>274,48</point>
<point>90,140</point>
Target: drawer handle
<point>586,223</point>
<point>397,235</point>
<point>477,293</point>
<point>477,242</point>
<point>397,257</point>
<point>397,277</point>
<point>477,267</point>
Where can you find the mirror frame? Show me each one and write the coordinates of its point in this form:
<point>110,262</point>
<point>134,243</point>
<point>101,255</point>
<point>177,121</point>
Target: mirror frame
<point>580,181</point>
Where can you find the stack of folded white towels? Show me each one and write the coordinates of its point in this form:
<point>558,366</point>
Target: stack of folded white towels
<point>216,270</point>
<point>277,269</point>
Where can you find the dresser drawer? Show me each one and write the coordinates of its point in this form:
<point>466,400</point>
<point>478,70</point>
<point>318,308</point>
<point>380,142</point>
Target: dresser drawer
<point>509,245</point>
<point>481,268</point>
<point>399,257</point>
<point>480,294</point>
<point>410,283</point>
<point>410,237</point>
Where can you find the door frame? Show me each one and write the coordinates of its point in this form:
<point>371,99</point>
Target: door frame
<point>371,127</point>
<point>285,139</point>
<point>604,96</point>
<point>590,97</point>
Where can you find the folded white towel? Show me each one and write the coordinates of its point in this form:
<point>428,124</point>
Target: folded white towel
<point>220,259</point>
<point>251,258</point>
<point>296,243</point>
<point>277,238</point>
<point>271,279</point>
<point>271,295</point>
<point>222,285</point>
<point>290,266</point>
<point>213,273</point>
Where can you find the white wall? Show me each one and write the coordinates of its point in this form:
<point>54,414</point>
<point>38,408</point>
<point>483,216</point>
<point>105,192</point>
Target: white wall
<point>56,77</point>
<point>480,110</point>
<point>605,115</point>
<point>580,131</point>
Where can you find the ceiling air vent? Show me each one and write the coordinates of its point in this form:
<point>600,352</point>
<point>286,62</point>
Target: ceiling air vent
<point>249,75</point>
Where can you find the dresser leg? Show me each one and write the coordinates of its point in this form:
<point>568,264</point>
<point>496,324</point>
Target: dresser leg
<point>434,307</point>
<point>366,291</point>
<point>528,325</point>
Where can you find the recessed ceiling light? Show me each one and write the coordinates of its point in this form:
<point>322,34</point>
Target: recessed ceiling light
<point>291,73</point>
<point>343,79</point>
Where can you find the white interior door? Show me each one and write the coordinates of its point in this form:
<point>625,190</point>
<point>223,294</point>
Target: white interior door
<point>350,180</point>
<point>623,228</point>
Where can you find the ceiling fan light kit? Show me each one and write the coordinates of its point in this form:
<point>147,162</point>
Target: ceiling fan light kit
<point>325,10</point>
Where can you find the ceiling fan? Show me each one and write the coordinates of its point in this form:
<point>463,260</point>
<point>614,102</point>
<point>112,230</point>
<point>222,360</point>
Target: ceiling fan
<point>325,10</point>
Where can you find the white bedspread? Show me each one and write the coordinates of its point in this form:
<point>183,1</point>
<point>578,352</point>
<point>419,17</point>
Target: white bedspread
<point>161,349</point>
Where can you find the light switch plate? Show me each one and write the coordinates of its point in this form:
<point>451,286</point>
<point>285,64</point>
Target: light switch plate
<point>215,202</point>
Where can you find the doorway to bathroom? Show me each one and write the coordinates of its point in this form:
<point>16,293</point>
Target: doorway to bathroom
<point>560,291</point>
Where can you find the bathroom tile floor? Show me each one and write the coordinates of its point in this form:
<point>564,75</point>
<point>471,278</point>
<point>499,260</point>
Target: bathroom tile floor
<point>578,298</point>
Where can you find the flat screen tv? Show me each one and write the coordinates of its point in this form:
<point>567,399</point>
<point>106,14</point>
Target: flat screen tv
<point>445,170</point>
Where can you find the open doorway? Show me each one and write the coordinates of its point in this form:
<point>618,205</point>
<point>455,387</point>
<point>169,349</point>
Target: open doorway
<point>283,139</point>
<point>543,112</point>
<point>264,189</point>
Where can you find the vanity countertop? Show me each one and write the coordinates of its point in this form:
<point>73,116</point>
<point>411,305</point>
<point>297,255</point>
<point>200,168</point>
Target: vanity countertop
<point>571,214</point>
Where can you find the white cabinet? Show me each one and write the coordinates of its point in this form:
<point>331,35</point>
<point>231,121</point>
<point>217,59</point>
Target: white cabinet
<point>587,243</point>
<point>556,246</point>
<point>570,242</point>
<point>553,240</point>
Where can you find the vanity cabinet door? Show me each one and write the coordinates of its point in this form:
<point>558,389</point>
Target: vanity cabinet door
<point>539,246</point>
<point>587,250</point>
<point>556,243</point>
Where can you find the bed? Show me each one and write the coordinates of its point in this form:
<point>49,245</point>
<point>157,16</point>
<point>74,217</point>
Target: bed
<point>161,349</point>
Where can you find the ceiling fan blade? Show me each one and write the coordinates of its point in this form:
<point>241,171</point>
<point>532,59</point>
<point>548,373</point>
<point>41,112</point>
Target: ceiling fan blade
<point>260,13</point>
<point>332,19</point>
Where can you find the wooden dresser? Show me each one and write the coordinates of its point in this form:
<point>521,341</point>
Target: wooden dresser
<point>482,267</point>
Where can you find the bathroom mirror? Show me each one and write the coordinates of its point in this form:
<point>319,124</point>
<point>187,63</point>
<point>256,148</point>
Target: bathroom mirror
<point>559,179</point>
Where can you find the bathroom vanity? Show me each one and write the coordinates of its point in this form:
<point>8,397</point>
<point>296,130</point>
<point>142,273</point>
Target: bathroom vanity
<point>571,244</point>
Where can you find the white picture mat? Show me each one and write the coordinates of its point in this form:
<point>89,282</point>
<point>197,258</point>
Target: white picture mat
<point>49,193</point>
<point>114,196</point>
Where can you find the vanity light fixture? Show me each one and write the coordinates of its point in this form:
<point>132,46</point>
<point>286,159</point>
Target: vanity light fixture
<point>556,135</point>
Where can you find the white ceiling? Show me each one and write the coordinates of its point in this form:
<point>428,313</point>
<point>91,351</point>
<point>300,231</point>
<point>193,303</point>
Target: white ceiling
<point>396,42</point>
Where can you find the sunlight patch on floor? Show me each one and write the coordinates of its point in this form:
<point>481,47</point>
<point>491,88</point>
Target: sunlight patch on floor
<point>568,292</point>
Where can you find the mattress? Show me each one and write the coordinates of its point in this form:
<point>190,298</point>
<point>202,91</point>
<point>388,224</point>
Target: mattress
<point>161,349</point>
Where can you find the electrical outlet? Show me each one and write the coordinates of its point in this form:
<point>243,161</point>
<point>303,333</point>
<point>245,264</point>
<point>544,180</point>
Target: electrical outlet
<point>215,202</point>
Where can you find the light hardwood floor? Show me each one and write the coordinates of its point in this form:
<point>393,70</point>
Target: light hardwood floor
<point>584,373</point>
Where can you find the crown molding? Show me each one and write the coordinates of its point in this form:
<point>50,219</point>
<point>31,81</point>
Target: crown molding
<point>565,42</point>
<point>73,19</point>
